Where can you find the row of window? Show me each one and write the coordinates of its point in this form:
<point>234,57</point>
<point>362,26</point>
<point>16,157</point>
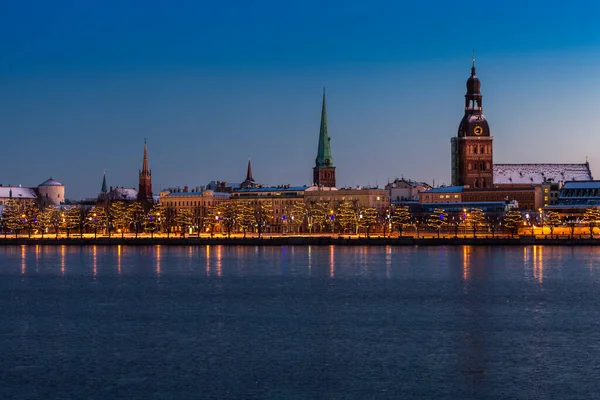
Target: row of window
<point>479,149</point>
<point>480,165</point>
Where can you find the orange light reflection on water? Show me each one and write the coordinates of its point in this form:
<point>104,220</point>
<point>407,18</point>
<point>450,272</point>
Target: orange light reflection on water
<point>95,260</point>
<point>62,259</point>
<point>23,260</point>
<point>219,260</point>
<point>538,263</point>
<point>207,260</point>
<point>331,261</point>
<point>466,262</point>
<point>158,260</point>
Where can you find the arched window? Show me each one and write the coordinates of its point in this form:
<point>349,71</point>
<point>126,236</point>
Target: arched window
<point>483,183</point>
<point>475,182</point>
<point>475,149</point>
<point>482,166</point>
<point>482,149</point>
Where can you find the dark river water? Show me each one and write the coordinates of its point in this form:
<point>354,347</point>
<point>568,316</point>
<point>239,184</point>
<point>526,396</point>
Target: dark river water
<point>217,322</point>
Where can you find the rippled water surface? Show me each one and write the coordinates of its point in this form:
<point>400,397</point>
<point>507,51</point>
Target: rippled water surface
<point>220,322</point>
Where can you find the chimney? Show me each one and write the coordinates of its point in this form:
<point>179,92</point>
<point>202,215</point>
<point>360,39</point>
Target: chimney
<point>185,189</point>
<point>111,188</point>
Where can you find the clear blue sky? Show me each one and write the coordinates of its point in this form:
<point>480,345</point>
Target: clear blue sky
<point>209,84</point>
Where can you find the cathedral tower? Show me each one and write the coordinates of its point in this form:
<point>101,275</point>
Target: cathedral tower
<point>145,186</point>
<point>324,171</point>
<point>472,150</point>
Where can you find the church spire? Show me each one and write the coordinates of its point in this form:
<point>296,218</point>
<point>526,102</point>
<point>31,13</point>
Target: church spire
<point>145,161</point>
<point>145,183</point>
<point>104,187</point>
<point>324,171</point>
<point>324,158</point>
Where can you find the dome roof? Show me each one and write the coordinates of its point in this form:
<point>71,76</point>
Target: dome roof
<point>473,83</point>
<point>51,182</point>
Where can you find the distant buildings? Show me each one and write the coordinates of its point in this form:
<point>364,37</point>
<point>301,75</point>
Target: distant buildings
<point>50,192</point>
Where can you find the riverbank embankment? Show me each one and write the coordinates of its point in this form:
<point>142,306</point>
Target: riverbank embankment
<point>302,241</point>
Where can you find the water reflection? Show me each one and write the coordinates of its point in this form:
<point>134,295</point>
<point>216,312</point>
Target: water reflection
<point>466,262</point>
<point>119,249</point>
<point>388,262</point>
<point>158,260</point>
<point>219,261</point>
<point>63,259</point>
<point>538,263</point>
<point>23,260</point>
<point>331,261</point>
<point>207,260</point>
<point>95,260</point>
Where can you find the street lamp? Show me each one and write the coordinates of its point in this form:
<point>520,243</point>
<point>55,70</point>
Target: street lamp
<point>541,219</point>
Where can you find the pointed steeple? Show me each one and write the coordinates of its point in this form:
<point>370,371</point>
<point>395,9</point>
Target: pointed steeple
<point>324,158</point>
<point>249,172</point>
<point>145,161</point>
<point>145,183</point>
<point>104,188</point>
<point>324,171</point>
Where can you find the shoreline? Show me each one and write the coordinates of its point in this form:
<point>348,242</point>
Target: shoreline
<point>302,241</point>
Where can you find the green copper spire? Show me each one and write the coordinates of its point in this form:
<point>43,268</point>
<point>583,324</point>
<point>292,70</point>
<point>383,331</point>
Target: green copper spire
<point>104,188</point>
<point>324,158</point>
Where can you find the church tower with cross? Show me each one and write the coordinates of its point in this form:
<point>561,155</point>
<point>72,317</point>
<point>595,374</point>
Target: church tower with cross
<point>324,170</point>
<point>472,148</point>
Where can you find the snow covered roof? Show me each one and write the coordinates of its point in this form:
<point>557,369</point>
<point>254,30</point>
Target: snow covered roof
<point>51,182</point>
<point>538,173</point>
<point>120,193</point>
<point>17,192</point>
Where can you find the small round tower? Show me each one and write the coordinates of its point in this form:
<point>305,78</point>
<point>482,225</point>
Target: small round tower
<point>51,192</point>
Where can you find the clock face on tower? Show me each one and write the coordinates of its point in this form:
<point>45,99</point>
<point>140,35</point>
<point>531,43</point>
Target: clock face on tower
<point>478,130</point>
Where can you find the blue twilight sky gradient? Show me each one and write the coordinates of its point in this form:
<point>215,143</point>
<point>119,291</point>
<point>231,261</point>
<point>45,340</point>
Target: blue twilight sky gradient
<point>209,84</point>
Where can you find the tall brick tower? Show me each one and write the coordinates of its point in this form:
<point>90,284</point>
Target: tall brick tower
<point>472,148</point>
<point>324,171</point>
<point>145,186</point>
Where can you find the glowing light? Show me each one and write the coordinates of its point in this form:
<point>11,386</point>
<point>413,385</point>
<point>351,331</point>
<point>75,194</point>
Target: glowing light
<point>23,260</point>
<point>331,261</point>
<point>158,260</point>
<point>62,259</point>
<point>95,260</point>
<point>466,262</point>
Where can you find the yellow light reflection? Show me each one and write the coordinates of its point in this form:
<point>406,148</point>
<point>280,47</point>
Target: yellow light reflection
<point>538,263</point>
<point>23,260</point>
<point>219,260</point>
<point>62,259</point>
<point>309,259</point>
<point>207,260</point>
<point>331,262</point>
<point>158,260</point>
<point>37,257</point>
<point>388,261</point>
<point>466,262</point>
<point>118,259</point>
<point>95,260</point>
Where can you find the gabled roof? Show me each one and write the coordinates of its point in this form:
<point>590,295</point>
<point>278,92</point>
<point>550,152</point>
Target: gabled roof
<point>539,173</point>
<point>17,192</point>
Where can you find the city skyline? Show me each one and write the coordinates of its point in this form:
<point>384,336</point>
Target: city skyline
<point>75,111</point>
